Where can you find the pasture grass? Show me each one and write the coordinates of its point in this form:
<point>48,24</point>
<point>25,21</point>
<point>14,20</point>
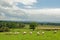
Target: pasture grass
<point>48,35</point>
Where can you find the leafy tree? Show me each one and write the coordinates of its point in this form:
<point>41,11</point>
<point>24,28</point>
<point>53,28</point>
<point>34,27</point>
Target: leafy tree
<point>20,25</point>
<point>4,29</point>
<point>33,25</point>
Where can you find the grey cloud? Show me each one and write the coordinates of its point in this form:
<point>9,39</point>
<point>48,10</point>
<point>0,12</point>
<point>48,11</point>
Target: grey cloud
<point>21,15</point>
<point>4,4</point>
<point>10,13</point>
<point>43,18</point>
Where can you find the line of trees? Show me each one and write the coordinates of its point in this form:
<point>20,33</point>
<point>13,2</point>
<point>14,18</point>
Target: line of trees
<point>5,26</point>
<point>12,24</point>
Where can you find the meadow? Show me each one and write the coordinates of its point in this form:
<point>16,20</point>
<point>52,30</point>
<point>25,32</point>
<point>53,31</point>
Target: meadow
<point>48,35</point>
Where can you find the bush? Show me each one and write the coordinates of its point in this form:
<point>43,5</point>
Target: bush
<point>4,29</point>
<point>33,25</point>
<point>20,25</point>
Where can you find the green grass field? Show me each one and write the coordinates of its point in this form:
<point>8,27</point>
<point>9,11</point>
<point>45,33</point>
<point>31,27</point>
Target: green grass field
<point>48,35</point>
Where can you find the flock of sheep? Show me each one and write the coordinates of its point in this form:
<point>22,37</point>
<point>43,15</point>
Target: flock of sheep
<point>38,33</point>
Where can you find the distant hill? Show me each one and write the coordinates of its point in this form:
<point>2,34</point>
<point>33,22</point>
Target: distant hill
<point>28,22</point>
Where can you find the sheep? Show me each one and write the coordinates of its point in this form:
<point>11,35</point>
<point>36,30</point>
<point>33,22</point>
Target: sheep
<point>55,31</point>
<point>24,33</point>
<point>30,32</point>
<point>8,33</point>
<point>16,33</point>
<point>38,33</point>
<point>43,32</point>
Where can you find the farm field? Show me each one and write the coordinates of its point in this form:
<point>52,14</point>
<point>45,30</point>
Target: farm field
<point>48,35</point>
<point>29,19</point>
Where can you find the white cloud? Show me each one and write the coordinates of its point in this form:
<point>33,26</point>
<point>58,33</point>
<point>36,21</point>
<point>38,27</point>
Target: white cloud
<point>9,1</point>
<point>45,14</point>
<point>47,11</point>
<point>28,2</point>
<point>12,3</point>
<point>12,12</point>
<point>28,7</point>
<point>2,16</point>
<point>25,2</point>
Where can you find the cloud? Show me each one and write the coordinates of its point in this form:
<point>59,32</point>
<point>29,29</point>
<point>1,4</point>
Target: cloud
<point>4,4</point>
<point>2,16</point>
<point>9,11</point>
<point>28,2</point>
<point>25,2</point>
<point>12,13</point>
<point>44,15</point>
<point>47,11</point>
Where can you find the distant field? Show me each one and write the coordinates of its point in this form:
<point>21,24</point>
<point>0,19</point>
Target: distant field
<point>48,27</point>
<point>48,35</point>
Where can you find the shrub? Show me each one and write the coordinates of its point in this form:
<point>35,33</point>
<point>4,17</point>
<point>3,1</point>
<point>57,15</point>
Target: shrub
<point>4,29</point>
<point>20,25</point>
<point>33,25</point>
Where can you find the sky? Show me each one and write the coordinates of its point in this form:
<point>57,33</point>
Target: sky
<point>30,10</point>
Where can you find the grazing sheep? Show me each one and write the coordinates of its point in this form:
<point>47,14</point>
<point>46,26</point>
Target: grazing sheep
<point>8,33</point>
<point>30,32</point>
<point>38,33</point>
<point>43,32</point>
<point>24,33</point>
<point>55,31</point>
<point>16,33</point>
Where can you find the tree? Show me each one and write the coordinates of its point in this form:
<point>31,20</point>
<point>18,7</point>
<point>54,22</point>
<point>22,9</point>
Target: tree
<point>33,25</point>
<point>4,29</point>
<point>20,25</point>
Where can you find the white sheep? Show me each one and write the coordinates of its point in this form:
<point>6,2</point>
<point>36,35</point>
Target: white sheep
<point>55,31</point>
<point>8,33</point>
<point>43,32</point>
<point>16,33</point>
<point>24,33</point>
<point>38,33</point>
<point>30,32</point>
